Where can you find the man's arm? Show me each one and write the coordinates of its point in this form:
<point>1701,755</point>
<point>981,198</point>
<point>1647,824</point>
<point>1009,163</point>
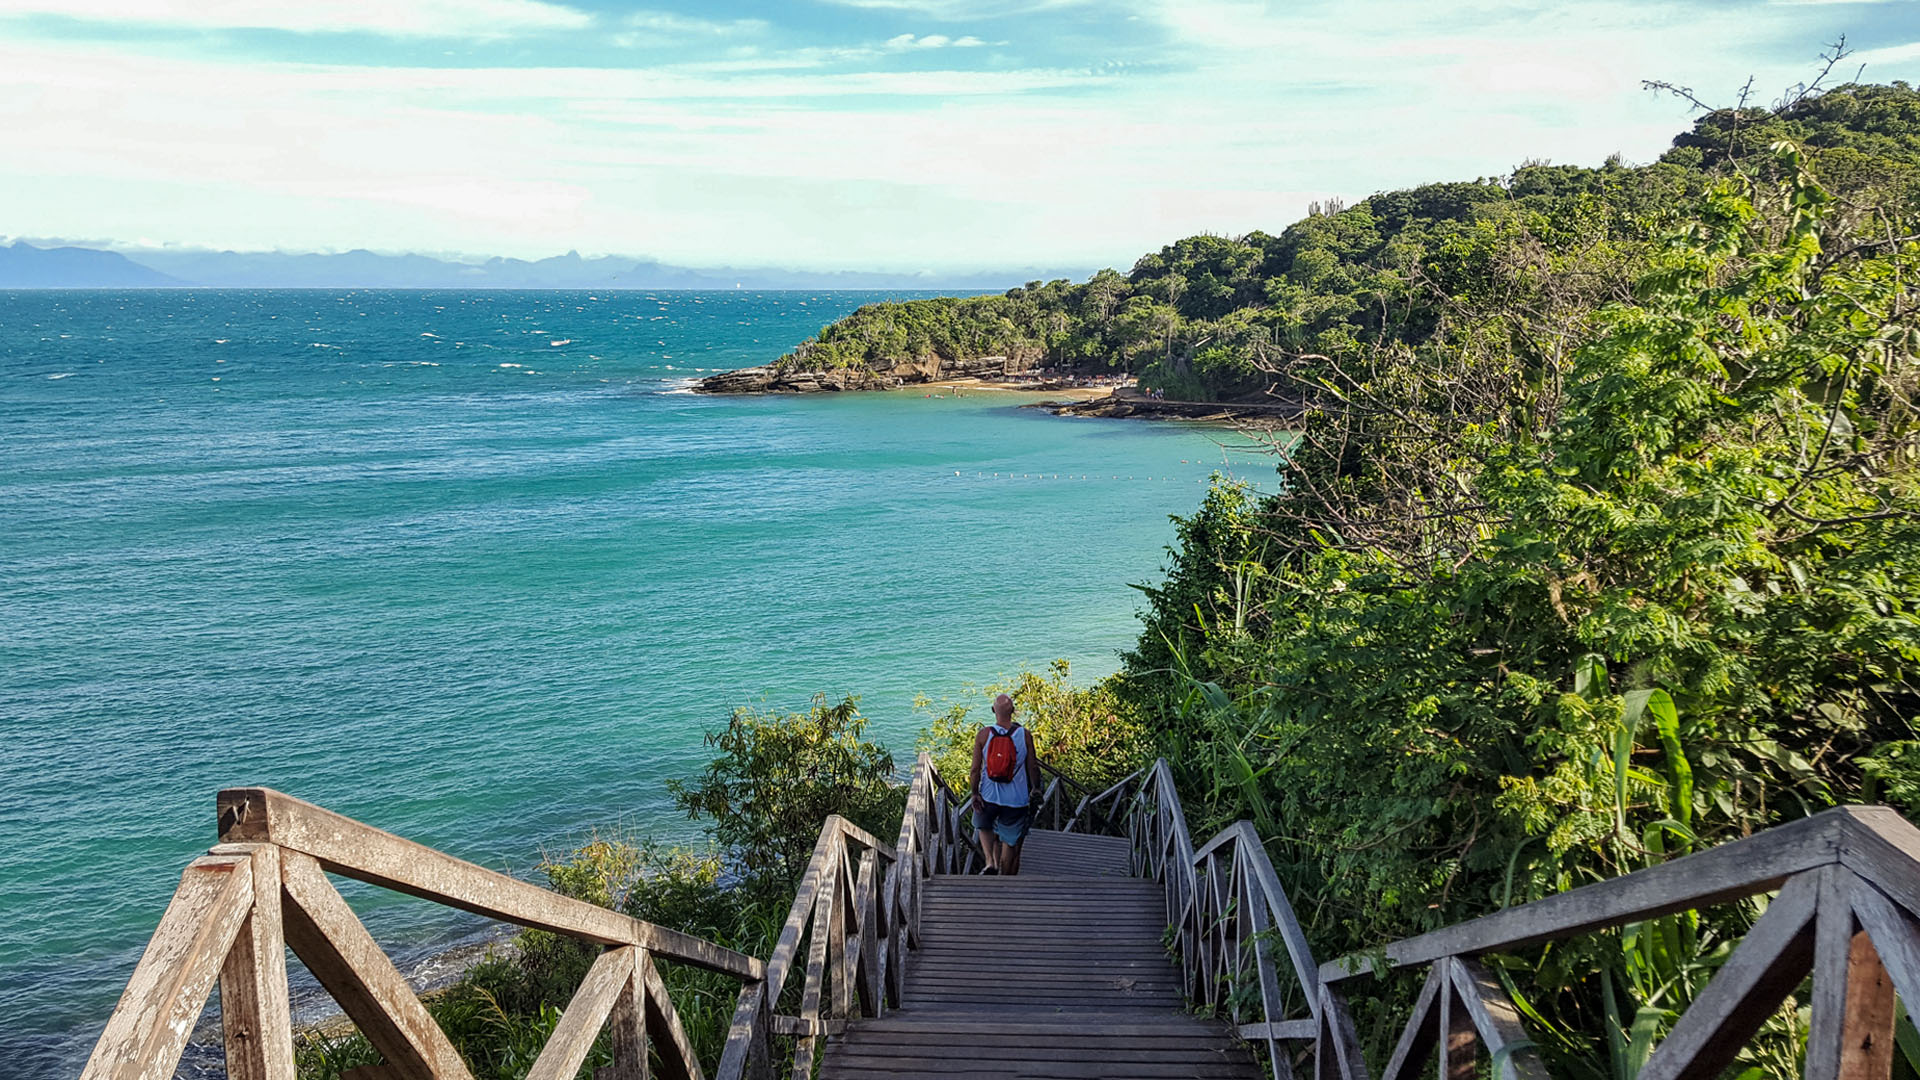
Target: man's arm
<point>973,774</point>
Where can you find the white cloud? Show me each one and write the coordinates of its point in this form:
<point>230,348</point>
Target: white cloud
<point>904,42</point>
<point>748,152</point>
<point>668,22</point>
<point>1891,54</point>
<point>963,9</point>
<point>470,19</point>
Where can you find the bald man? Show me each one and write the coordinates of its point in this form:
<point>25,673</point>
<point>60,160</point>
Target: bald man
<point>1002,810</point>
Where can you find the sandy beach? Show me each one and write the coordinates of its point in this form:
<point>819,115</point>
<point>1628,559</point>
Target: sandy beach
<point>1064,393</point>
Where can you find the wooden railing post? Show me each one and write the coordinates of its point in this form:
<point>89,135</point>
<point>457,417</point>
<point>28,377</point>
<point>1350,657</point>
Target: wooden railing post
<point>1459,1043</point>
<point>148,1030</point>
<point>1851,1034</point>
<point>627,1031</point>
<point>610,978</point>
<point>255,1018</point>
<point>664,1031</point>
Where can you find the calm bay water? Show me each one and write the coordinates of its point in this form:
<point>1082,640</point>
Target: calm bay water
<point>473,567</point>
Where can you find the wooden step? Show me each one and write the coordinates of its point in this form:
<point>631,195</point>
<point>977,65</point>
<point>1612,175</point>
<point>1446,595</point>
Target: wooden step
<point>1058,973</point>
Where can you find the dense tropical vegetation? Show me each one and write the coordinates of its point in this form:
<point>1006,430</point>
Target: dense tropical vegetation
<point>1607,549</point>
<point>1599,543</point>
<point>1211,317</point>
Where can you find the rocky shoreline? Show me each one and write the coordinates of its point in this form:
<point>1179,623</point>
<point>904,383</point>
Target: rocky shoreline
<point>770,379</point>
<point>1129,403</point>
<point>998,372</point>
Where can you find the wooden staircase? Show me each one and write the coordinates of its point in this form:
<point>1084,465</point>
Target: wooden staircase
<point>1100,960</point>
<point>1059,972</point>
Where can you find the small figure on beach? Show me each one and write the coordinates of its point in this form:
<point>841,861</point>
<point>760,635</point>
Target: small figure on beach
<point>1005,774</point>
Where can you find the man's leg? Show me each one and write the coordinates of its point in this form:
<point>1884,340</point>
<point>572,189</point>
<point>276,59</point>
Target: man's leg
<point>989,843</point>
<point>991,848</point>
<point>1010,853</point>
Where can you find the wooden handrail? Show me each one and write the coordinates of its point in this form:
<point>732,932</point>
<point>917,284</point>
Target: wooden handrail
<point>1224,902</point>
<point>1748,867</point>
<point>264,889</point>
<point>857,909</point>
<point>352,849</point>
<point>1848,912</point>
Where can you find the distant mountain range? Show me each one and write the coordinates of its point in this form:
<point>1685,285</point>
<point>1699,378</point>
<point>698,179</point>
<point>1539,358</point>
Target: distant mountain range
<point>23,266</point>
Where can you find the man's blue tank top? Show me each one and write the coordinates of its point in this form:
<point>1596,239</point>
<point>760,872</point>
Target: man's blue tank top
<point>1015,791</point>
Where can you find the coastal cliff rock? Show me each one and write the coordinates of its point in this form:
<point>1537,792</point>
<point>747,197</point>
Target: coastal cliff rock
<point>769,379</point>
<point>1130,403</point>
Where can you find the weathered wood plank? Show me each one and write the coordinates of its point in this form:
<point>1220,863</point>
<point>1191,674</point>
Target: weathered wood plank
<point>1867,1037</point>
<point>1422,1031</point>
<point>864,838</point>
<point>327,936</point>
<point>627,1031</point>
<point>812,991</point>
<point>795,1025</point>
<point>1768,963</point>
<point>746,1045</point>
<point>745,1037</point>
<point>255,1017</point>
<point>148,1030</point>
<point>866,973</point>
<point>1757,864</point>
<point>1833,933</point>
<point>1882,847</point>
<point>1486,1004</point>
<point>1896,938</point>
<point>839,975</point>
<point>360,851</point>
<point>1851,1034</point>
<point>1276,1029</point>
<point>1459,1039</point>
<point>1337,1032</point>
<point>587,1011</point>
<point>670,1042</point>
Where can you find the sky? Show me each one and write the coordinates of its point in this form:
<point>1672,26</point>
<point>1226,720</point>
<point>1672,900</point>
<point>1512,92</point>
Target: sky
<point>837,134</point>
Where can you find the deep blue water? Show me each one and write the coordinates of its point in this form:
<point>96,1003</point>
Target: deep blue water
<point>473,567</point>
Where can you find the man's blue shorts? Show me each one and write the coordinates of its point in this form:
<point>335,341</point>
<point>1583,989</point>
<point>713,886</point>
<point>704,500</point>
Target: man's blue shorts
<point>1009,823</point>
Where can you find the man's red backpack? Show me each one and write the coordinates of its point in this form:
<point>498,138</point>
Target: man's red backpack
<point>1002,756</point>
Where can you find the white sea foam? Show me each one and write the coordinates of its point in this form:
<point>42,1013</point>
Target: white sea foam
<point>509,365</point>
<point>429,333</point>
<point>679,386</point>
<point>62,375</point>
<point>562,341</point>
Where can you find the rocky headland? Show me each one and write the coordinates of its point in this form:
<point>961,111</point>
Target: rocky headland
<point>775,379</point>
<point>994,372</point>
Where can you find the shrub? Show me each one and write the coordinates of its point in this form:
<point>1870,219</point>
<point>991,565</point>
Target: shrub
<point>1086,733</point>
<point>779,775</point>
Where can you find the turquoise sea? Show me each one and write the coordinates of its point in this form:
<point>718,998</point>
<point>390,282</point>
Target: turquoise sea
<point>475,568</point>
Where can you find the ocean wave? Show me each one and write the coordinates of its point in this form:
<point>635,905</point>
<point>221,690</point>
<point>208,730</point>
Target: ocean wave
<point>562,341</point>
<point>679,386</point>
<point>62,375</point>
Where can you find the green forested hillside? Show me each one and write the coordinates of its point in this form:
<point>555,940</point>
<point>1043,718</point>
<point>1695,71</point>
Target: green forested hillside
<point>1599,543</point>
<point>1212,317</point>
